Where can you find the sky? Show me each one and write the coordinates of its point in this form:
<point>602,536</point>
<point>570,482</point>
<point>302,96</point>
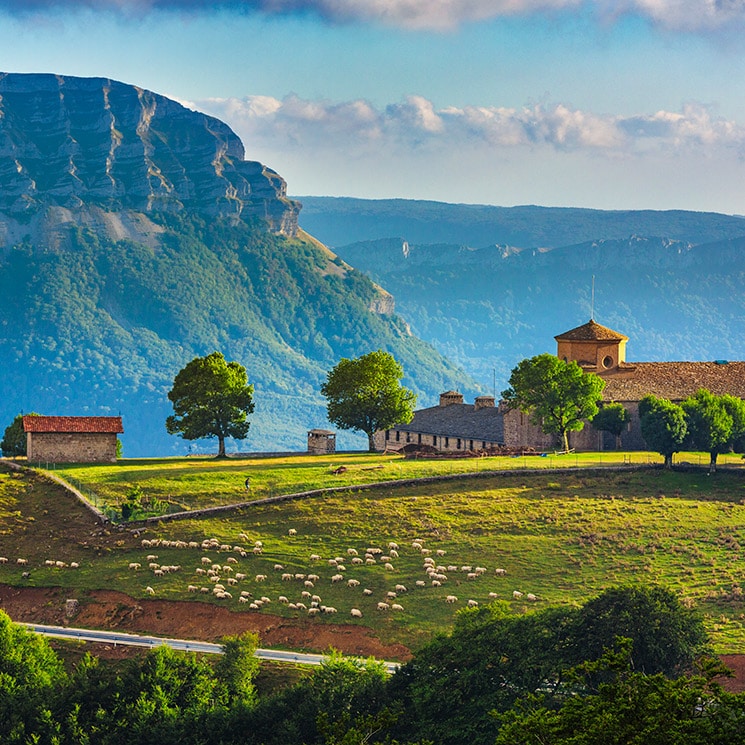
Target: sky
<point>612,104</point>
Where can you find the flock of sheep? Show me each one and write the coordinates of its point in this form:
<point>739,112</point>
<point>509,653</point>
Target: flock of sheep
<point>223,577</point>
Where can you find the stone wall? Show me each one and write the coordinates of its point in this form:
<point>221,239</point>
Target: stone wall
<point>47,447</point>
<point>397,439</point>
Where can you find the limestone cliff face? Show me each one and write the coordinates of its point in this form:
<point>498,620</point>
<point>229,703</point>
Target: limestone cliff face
<point>68,142</point>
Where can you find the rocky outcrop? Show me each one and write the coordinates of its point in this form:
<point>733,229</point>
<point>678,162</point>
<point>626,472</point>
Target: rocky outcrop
<point>68,142</point>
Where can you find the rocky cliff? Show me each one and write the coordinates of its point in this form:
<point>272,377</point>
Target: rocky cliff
<point>76,143</point>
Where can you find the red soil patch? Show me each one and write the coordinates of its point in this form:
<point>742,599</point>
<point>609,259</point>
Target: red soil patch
<point>106,609</point>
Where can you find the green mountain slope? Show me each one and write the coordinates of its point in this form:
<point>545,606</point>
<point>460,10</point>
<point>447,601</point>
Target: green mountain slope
<point>102,327</point>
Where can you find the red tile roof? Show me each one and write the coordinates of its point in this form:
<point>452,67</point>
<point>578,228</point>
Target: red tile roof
<point>591,331</point>
<point>674,380</point>
<point>77,424</point>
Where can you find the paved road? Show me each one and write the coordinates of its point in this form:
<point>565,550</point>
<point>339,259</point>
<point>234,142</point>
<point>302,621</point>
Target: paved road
<point>185,645</point>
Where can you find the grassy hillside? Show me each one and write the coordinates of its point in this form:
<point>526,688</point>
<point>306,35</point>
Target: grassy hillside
<point>561,537</point>
<point>102,327</point>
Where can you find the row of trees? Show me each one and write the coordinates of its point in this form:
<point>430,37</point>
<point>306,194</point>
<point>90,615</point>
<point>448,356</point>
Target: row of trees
<point>562,675</point>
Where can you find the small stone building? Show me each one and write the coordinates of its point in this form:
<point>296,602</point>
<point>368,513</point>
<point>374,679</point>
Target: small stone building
<point>72,439</point>
<point>452,426</point>
<point>601,350</point>
<point>321,441</point>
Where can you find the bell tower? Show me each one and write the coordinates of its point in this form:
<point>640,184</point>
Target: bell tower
<point>593,347</point>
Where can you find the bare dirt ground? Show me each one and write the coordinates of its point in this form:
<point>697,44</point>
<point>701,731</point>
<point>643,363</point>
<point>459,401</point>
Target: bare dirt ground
<point>106,609</point>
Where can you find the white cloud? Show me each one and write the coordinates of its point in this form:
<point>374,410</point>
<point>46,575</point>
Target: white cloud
<point>416,123</point>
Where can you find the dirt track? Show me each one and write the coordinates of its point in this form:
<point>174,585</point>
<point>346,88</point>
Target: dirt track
<point>105,609</point>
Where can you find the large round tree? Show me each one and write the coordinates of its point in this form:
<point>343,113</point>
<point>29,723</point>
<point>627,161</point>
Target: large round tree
<point>557,396</point>
<point>211,398</point>
<point>366,394</point>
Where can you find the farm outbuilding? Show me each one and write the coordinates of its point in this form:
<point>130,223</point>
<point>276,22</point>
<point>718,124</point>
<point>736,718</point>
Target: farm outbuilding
<point>72,439</point>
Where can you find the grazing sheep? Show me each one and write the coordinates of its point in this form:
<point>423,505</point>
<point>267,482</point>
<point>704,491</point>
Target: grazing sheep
<point>316,598</point>
<point>134,565</point>
<point>416,545</point>
<point>292,531</point>
<point>313,611</point>
<point>452,568</point>
<point>531,597</point>
<point>396,606</point>
<point>232,560</point>
<point>253,606</point>
<point>258,544</point>
<point>329,609</point>
<point>227,568</point>
<point>500,572</point>
<point>493,595</point>
<point>3,559</point>
<point>152,557</point>
<point>332,562</point>
<point>308,583</point>
<point>265,599</point>
<point>204,589</point>
<point>352,551</point>
<point>149,590</point>
<point>353,583</point>
<point>224,547</point>
<point>385,558</point>
<point>232,581</point>
<point>159,573</point>
<point>260,578</point>
<point>370,561</point>
<point>516,594</point>
<point>473,603</point>
<point>239,575</point>
<point>383,606</point>
<point>286,577</point>
<point>243,536</point>
<point>392,545</point>
<point>451,599</point>
<point>436,583</point>
<point>245,594</point>
<point>341,568</point>
<point>217,567</point>
<point>298,606</point>
<point>367,591</point>
<point>300,576</point>
<point>243,599</point>
<point>466,568</point>
<point>480,570</point>
<point>304,594</point>
<point>357,560</point>
<point>389,567</point>
<point>337,578</point>
<point>440,552</point>
<point>74,565</point>
<point>390,595</point>
<point>192,588</point>
<point>282,599</point>
<point>258,550</point>
<point>401,588</point>
<point>472,575</point>
<point>315,557</point>
<point>420,583</point>
<point>313,577</point>
<point>356,613</point>
<point>394,553</point>
<point>278,567</point>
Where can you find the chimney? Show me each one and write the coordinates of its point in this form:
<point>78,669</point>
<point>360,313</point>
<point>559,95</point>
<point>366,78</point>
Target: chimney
<point>451,397</point>
<point>483,402</point>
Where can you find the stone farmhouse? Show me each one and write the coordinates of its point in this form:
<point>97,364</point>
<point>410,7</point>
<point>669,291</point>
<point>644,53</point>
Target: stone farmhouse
<point>601,350</point>
<point>72,439</point>
<point>454,426</point>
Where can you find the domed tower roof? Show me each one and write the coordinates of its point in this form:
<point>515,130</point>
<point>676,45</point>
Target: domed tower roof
<point>591,331</point>
<point>593,347</point>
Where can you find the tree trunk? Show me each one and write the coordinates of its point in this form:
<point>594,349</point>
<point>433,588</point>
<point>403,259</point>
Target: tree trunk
<point>221,447</point>
<point>565,440</point>
<point>371,443</point>
<point>668,460</point>
<point>618,442</point>
<point>713,462</point>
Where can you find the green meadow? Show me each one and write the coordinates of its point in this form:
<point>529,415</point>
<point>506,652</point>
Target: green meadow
<point>560,537</point>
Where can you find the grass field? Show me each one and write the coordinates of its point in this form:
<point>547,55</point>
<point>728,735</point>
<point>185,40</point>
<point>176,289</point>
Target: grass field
<point>561,537</point>
<point>193,483</point>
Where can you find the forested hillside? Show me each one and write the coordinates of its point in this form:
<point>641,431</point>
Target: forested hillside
<point>102,327</point>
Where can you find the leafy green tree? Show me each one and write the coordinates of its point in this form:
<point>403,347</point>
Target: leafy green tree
<point>366,394</point>
<point>714,423</point>
<point>630,708</point>
<point>32,678</point>
<point>14,440</point>
<point>237,668</point>
<point>666,637</point>
<point>558,396</point>
<point>613,418</point>
<point>663,426</point>
<point>211,398</point>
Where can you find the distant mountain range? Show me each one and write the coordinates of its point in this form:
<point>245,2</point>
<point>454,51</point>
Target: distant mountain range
<point>488,286</point>
<point>134,237</point>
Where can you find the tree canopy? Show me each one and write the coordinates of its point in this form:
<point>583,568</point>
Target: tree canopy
<point>663,426</point>
<point>211,398</point>
<point>558,396</point>
<point>14,440</point>
<point>715,423</point>
<point>366,394</point>
<point>612,417</point>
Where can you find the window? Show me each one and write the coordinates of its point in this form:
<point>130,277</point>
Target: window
<point>607,361</point>
<point>458,446</point>
<point>408,437</point>
<point>398,436</point>
<point>387,435</point>
<point>447,441</point>
<point>419,438</point>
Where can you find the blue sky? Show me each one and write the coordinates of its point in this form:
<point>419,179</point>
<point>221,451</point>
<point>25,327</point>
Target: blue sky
<point>613,104</point>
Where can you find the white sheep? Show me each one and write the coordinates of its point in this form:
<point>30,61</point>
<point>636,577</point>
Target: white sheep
<point>313,611</point>
<point>292,531</point>
<point>192,588</point>
<point>149,590</point>
<point>352,551</point>
<point>134,565</point>
<point>401,588</point>
<point>243,599</point>
<point>516,594</point>
<point>278,567</point>
<point>383,606</point>
<point>353,583</point>
<point>74,565</point>
<point>396,606</point>
<point>436,583</point>
<point>367,591</point>
<point>440,552</point>
<point>394,553</point>
<point>260,578</point>
<point>308,583</point>
<point>392,545</point>
<point>420,583</point>
<point>357,560</point>
<point>493,595</point>
<point>286,577</point>
<point>389,567</point>
<point>473,603</point>
<point>531,597</point>
<point>356,613</point>
<point>500,572</point>
<point>315,557</point>
<point>232,560</point>
<point>329,609</point>
<point>451,599</point>
<point>337,578</point>
<point>3,559</point>
<point>390,595</point>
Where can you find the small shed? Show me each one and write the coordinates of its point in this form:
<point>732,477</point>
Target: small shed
<point>72,439</point>
<point>321,441</point>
